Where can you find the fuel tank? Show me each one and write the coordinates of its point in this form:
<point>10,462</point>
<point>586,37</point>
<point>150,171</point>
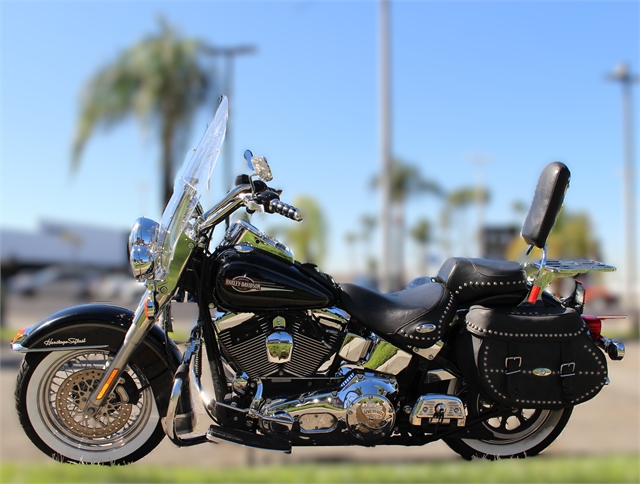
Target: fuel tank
<point>247,279</point>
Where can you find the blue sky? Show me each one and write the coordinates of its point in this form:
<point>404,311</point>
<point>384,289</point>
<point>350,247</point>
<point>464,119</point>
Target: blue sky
<point>520,84</point>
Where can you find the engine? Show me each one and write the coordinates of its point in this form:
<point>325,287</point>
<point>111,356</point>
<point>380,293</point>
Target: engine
<point>288,344</point>
<point>302,345</point>
<point>364,404</point>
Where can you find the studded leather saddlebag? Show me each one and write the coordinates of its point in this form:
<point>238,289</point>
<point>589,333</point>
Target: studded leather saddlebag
<point>531,356</point>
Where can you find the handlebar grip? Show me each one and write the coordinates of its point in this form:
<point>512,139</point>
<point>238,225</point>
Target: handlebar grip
<point>289,211</point>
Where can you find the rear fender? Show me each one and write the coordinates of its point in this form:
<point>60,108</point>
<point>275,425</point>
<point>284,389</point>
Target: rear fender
<point>101,326</point>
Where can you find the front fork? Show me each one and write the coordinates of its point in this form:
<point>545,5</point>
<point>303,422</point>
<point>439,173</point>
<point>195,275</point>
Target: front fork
<point>143,321</point>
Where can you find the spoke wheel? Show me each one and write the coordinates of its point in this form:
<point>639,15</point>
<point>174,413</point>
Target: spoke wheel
<point>51,396</point>
<point>522,433</point>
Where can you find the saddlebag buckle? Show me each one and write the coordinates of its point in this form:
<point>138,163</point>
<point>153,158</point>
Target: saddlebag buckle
<point>512,365</point>
<point>567,369</point>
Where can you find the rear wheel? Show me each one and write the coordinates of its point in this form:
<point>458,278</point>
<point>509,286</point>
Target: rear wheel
<point>52,391</point>
<point>523,433</point>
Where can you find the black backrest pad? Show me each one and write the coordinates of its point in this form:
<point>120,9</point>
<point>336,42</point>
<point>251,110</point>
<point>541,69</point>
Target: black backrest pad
<point>552,186</point>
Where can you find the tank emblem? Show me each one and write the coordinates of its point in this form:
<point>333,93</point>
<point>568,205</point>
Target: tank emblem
<point>243,284</point>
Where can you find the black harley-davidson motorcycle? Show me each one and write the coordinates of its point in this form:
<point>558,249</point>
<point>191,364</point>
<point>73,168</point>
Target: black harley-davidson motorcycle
<point>480,356</point>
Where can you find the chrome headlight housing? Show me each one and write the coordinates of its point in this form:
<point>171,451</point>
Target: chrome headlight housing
<point>141,247</point>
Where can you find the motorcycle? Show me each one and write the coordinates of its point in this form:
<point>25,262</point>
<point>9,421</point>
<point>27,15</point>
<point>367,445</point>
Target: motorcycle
<point>480,356</point>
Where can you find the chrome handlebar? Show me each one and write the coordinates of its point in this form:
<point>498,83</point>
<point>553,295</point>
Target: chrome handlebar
<point>243,195</point>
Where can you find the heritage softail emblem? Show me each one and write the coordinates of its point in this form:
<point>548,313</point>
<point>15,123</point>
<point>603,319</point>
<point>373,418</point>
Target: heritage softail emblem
<point>68,341</point>
<point>243,284</point>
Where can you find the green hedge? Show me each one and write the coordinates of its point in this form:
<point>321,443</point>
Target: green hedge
<point>610,469</point>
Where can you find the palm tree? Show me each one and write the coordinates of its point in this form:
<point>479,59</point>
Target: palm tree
<point>406,182</point>
<point>368,223</point>
<point>351,239</point>
<point>460,199</point>
<point>161,81</point>
<point>421,234</point>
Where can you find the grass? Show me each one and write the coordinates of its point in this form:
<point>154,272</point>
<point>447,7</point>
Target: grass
<point>592,469</point>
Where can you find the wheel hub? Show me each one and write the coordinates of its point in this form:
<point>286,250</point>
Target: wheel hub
<point>72,397</point>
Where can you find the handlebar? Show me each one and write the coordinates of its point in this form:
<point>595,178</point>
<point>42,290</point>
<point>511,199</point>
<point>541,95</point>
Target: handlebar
<point>276,206</point>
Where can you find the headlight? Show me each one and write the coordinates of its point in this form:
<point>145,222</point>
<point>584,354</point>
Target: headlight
<point>141,255</point>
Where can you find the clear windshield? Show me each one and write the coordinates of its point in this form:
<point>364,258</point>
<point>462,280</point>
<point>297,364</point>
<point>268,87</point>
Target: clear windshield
<point>186,194</point>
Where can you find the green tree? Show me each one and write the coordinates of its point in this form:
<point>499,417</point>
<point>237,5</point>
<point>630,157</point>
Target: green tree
<point>368,225</point>
<point>571,238</point>
<point>407,182</point>
<point>421,233</point>
<point>307,239</point>
<point>162,81</point>
<point>457,201</point>
<point>351,239</point>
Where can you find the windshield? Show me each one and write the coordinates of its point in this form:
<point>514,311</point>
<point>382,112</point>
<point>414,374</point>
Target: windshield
<point>186,196</point>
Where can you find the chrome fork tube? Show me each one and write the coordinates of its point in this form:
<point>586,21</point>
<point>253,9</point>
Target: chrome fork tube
<point>135,335</point>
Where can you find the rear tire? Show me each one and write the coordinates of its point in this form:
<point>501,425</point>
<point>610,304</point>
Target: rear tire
<point>49,395</point>
<point>524,433</point>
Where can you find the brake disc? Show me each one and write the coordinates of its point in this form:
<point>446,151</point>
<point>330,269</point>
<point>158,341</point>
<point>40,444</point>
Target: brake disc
<point>73,395</point>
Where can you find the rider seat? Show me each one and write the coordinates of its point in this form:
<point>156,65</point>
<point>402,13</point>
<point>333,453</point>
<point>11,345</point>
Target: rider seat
<point>416,316</point>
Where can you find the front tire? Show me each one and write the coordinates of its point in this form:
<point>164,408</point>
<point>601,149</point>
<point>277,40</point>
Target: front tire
<point>50,393</point>
<point>524,433</point>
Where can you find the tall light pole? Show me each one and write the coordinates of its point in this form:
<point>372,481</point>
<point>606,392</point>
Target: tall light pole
<point>480,161</point>
<point>622,75</point>
<point>385,145</point>
<point>229,54</point>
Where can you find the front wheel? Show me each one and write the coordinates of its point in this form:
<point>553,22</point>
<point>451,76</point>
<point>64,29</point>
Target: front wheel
<point>51,392</point>
<point>523,433</point>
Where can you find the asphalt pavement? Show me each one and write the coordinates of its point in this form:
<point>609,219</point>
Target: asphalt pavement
<point>608,424</point>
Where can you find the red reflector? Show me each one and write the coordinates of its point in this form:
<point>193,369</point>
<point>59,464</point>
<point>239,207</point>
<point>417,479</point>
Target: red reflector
<point>594,324</point>
<point>533,295</point>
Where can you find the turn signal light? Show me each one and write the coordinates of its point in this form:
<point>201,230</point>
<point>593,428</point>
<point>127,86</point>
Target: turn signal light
<point>595,326</point>
<point>17,336</point>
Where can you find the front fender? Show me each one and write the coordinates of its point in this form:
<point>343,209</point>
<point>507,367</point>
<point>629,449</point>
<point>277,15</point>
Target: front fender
<point>102,326</point>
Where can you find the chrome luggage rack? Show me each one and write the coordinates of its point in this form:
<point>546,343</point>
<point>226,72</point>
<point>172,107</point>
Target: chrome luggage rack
<point>543,272</point>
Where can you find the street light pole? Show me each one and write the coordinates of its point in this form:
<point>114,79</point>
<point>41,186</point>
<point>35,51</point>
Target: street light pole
<point>229,54</point>
<point>622,75</point>
<point>385,147</point>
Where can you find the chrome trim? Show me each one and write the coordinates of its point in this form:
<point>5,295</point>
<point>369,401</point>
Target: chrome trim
<point>541,273</point>
<point>332,317</point>
<point>242,233</point>
<point>231,320</point>
<point>442,409</point>
<point>387,358</point>
<point>141,252</point>
<point>279,347</point>
<point>431,352</point>
<point>426,328</point>
<point>362,403</point>
<point>354,347</point>
<point>136,333</point>
<point>21,349</point>
<point>542,372</point>
<point>262,168</point>
<point>193,346</point>
<point>224,208</point>
<point>439,375</point>
<point>613,348</point>
<point>240,383</point>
